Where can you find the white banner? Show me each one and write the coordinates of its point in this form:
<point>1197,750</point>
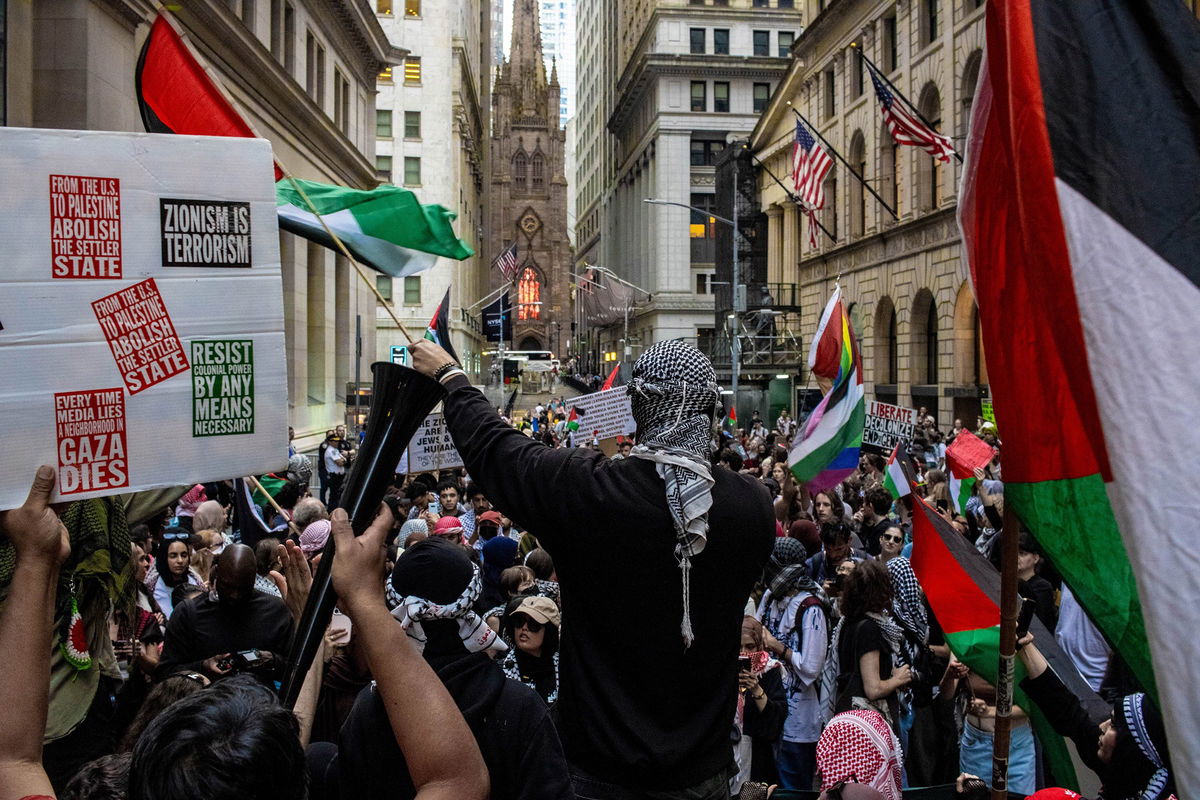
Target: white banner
<point>603,415</point>
<point>141,314</point>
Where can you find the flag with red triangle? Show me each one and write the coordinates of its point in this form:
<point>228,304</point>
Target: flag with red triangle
<point>612,377</point>
<point>438,331</point>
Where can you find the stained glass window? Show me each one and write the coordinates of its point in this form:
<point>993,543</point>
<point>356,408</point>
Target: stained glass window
<point>529,295</point>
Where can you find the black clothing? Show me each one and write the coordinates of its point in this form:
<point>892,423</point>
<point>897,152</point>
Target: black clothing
<point>511,724</point>
<point>201,628</point>
<point>859,638</point>
<point>869,534</point>
<point>608,528</point>
<point>766,726</point>
<point>1041,591</point>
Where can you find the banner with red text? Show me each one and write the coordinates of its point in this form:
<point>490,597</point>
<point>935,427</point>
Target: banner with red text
<point>141,316</point>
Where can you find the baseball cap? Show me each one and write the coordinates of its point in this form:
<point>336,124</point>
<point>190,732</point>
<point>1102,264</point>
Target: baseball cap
<point>540,609</point>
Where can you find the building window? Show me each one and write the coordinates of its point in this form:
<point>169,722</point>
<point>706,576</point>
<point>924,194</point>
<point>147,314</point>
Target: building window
<point>289,38</point>
<point>247,14</point>
<point>890,55</point>
<point>786,39</point>
<point>412,69</point>
<point>383,284</point>
<point>277,29</point>
<point>761,3</point>
<point>721,96</point>
<point>383,124</point>
<point>762,95</point>
<point>858,199</point>
<point>314,68</point>
<point>829,216</point>
<point>529,295</point>
<point>412,8</point>
<point>537,169</point>
<point>3,63</point>
<point>341,101</point>
<point>857,82</point>
<point>412,171</point>
<point>886,344</point>
<point>701,224</point>
<point>412,290</point>
<point>383,168</point>
<point>889,169</point>
<point>412,124</point>
<point>830,98</point>
<point>698,37</point>
<point>704,154</point>
<point>721,41</point>
<point>929,22</point>
<point>787,3</point>
<point>699,96</point>
<point>386,75</point>
<point>383,6</point>
<point>704,283</point>
<point>762,43</point>
<point>520,171</point>
<point>970,79</point>
<point>928,174</point>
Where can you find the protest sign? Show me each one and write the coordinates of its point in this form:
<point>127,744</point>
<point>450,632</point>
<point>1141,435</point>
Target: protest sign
<point>886,426</point>
<point>141,315</point>
<point>987,411</point>
<point>431,449</point>
<point>603,415</point>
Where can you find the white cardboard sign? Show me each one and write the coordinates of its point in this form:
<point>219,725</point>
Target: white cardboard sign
<point>603,415</point>
<point>431,449</point>
<point>141,314</point>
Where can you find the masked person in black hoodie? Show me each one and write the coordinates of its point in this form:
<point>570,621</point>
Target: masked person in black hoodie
<point>432,591</point>
<point>688,538</point>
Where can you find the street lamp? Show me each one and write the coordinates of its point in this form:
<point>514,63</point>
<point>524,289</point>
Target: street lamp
<point>735,341</point>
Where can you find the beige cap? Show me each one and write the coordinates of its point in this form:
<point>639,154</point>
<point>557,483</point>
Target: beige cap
<point>540,609</point>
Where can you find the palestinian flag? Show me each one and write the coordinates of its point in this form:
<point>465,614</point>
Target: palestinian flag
<point>827,447</point>
<point>896,477</point>
<point>964,455</point>
<point>438,331</point>
<point>572,421</point>
<point>963,589</point>
<point>385,228</point>
<point>1081,223</point>
<point>612,378</point>
<point>731,418</point>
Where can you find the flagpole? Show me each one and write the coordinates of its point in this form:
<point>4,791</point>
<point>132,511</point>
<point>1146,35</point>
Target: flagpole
<point>1008,646</point>
<point>898,93</point>
<point>861,179</point>
<point>793,197</point>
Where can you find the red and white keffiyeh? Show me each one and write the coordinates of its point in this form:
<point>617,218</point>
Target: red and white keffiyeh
<point>859,746</point>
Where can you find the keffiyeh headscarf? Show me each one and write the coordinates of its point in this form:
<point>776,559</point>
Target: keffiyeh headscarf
<point>860,746</point>
<point>433,564</point>
<point>1144,723</point>
<point>674,396</point>
<point>907,607</point>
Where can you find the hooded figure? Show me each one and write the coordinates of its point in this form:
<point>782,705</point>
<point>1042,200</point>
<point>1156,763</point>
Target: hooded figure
<point>431,591</point>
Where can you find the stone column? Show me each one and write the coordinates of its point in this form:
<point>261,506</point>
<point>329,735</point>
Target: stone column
<point>774,244</point>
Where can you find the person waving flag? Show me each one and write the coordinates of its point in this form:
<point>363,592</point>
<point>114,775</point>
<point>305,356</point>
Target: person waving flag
<point>438,330</point>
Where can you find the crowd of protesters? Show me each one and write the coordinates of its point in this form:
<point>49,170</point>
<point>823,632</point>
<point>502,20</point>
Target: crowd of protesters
<point>678,619</point>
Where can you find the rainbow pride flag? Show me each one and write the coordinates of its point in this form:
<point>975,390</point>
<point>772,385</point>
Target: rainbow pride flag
<point>826,450</point>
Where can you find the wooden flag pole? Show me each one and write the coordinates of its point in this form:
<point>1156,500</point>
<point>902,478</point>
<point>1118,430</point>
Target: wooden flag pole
<point>291,526</point>
<point>1009,534</point>
<point>846,163</point>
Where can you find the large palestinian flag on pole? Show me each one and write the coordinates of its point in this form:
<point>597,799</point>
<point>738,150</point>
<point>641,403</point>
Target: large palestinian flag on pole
<point>963,589</point>
<point>1080,212</point>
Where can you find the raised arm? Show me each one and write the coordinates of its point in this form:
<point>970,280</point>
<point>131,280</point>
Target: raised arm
<point>26,623</point>
<point>443,759</point>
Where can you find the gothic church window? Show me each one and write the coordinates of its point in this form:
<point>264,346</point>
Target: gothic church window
<point>529,295</point>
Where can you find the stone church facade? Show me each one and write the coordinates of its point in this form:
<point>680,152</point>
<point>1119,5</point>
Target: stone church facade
<point>529,189</point>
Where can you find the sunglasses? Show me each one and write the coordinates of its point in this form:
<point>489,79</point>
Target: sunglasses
<point>888,538</point>
<point>526,622</point>
<point>177,536</point>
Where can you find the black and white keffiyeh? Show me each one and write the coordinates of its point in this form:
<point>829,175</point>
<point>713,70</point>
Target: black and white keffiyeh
<point>674,396</point>
<point>1133,709</point>
<point>475,633</point>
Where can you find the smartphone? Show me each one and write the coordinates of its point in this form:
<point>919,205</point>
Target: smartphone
<point>340,621</point>
<point>743,663</point>
<point>1025,617</point>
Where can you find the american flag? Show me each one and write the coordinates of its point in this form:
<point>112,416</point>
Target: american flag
<point>812,230</point>
<point>506,262</point>
<point>906,128</point>
<point>810,165</point>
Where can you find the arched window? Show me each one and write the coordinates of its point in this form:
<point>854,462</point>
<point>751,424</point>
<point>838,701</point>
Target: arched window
<point>970,78</point>
<point>529,295</point>
<point>887,348</point>
<point>858,200</point>
<point>520,171</point>
<point>538,169</point>
<point>829,217</point>
<point>928,174</point>
<point>889,170</point>
<point>924,350</point>
<point>969,367</point>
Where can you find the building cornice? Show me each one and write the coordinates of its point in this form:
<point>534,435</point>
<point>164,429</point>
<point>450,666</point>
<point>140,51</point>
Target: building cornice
<point>899,241</point>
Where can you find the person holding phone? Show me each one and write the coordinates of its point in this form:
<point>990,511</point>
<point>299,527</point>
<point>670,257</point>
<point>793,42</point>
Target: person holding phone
<point>762,708</point>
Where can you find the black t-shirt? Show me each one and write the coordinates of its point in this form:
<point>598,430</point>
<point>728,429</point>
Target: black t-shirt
<point>870,534</point>
<point>635,707</point>
<point>858,639</point>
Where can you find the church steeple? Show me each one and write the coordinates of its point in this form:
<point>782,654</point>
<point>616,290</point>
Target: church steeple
<point>526,67</point>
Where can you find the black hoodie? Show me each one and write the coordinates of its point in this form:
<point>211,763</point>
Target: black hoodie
<point>511,724</point>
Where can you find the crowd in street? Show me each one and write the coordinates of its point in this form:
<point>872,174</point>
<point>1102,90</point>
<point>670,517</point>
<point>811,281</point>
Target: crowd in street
<point>678,618</point>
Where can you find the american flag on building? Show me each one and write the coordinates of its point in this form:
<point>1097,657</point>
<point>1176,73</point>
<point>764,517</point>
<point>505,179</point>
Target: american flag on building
<point>810,165</point>
<point>506,262</point>
<point>906,128</point>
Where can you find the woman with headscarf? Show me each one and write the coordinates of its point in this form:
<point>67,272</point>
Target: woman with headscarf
<point>174,563</point>
<point>1128,750</point>
<point>532,631</point>
<point>795,618</point>
<point>498,554</point>
<point>762,708</point>
<point>859,745</point>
